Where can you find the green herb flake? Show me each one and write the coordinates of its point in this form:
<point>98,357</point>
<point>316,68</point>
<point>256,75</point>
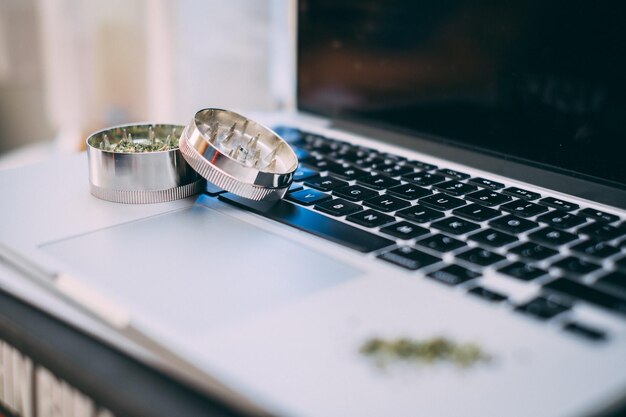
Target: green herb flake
<point>139,139</point>
<point>437,349</point>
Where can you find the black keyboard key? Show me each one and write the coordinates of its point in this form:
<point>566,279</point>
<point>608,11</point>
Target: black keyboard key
<point>323,149</point>
<point>394,170</point>
<point>302,154</point>
<point>386,203</point>
<point>420,214</point>
<point>369,162</point>
<point>307,138</point>
<point>423,178</point>
<point>493,238</point>
<point>382,163</point>
<point>598,215</point>
<point>311,137</point>
<point>343,153</point>
<point>523,271</point>
<point>560,219</point>
<point>306,157</point>
<point>520,193</point>
<point>488,198</point>
<point>366,149</point>
<point>421,165</point>
<point>486,294</point>
<point>321,164</point>
<point>370,151</point>
<point>404,230</point>
<point>552,237</point>
<point>338,156</point>
<point>304,173</point>
<point>442,202</point>
<point>378,182</point>
<point>348,172</point>
<point>336,144</point>
<point>615,279</point>
<point>454,187</point>
<point>312,140</point>
<point>558,204</point>
<point>575,266</point>
<point>455,225</point>
<point>441,243</point>
<point>327,183</point>
<point>481,257</point>
<point>308,197</point>
<point>312,222</point>
<point>512,224</point>
<point>523,208</point>
<point>483,182</point>
<point>354,193</point>
<point>544,308</point>
<point>599,250</point>
<point>350,154</point>
<point>585,331</point>
<point>621,263</point>
<point>370,218</point>
<point>290,134</point>
<point>476,212</point>
<point>533,251</point>
<point>321,145</point>
<point>450,173</point>
<point>453,275</point>
<point>338,207</point>
<point>339,149</point>
<point>601,231</point>
<point>394,157</point>
<point>588,294</point>
<point>292,188</point>
<point>409,258</point>
<point>409,191</point>
<point>318,141</point>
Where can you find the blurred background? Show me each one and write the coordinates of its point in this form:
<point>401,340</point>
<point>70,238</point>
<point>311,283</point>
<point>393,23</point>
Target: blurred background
<point>70,67</point>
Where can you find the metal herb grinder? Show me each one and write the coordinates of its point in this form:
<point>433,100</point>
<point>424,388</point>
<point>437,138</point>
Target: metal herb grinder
<point>238,155</point>
<point>140,163</point>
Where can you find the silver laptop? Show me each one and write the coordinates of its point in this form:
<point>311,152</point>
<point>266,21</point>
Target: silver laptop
<point>462,177</point>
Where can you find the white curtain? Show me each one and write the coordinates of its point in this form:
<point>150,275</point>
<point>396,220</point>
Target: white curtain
<point>115,61</point>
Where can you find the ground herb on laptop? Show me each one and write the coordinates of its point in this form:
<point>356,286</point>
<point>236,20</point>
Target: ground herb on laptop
<point>436,349</point>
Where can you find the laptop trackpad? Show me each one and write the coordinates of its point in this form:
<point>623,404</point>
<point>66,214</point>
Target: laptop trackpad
<point>197,268</point>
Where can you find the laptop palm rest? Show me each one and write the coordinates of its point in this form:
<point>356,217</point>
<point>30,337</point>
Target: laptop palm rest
<point>197,268</point>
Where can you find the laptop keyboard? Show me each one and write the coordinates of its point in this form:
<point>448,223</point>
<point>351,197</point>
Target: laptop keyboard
<point>454,227</point>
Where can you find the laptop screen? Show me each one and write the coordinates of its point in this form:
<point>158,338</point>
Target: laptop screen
<point>541,81</point>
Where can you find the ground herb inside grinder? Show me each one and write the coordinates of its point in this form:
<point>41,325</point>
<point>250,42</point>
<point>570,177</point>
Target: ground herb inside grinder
<point>437,349</point>
<point>149,141</point>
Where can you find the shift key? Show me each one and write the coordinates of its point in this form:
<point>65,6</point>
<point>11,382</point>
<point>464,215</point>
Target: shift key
<point>588,294</point>
<point>409,258</point>
<point>312,222</point>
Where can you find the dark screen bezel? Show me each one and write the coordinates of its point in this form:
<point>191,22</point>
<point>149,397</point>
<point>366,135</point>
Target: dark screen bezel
<point>351,120</point>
